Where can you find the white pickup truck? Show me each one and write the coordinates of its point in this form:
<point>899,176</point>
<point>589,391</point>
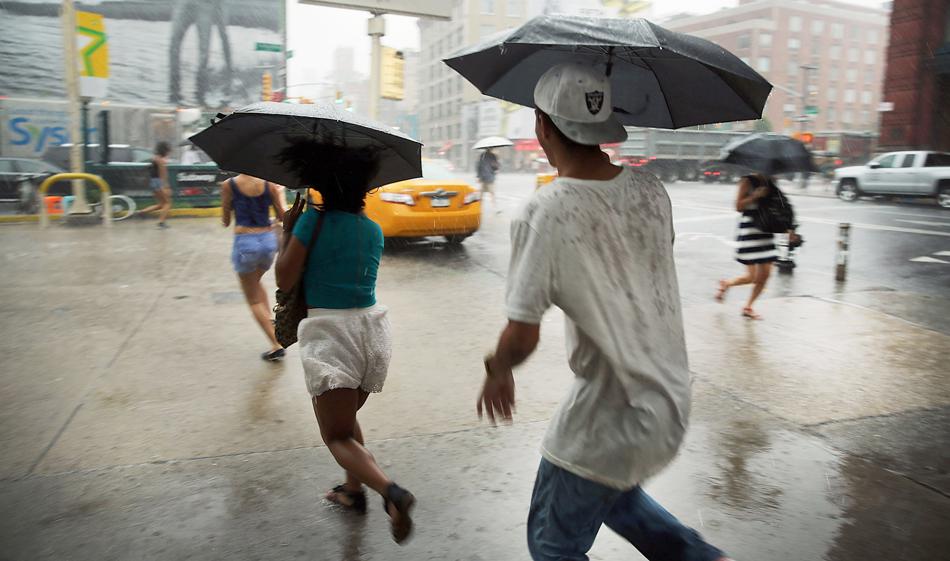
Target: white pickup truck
<point>903,174</point>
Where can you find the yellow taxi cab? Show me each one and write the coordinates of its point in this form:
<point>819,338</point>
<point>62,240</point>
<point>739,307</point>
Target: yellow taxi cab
<point>436,204</point>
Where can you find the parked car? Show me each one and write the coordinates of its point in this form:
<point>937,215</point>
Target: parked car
<point>19,179</point>
<point>59,155</point>
<point>437,204</point>
<point>903,174</point>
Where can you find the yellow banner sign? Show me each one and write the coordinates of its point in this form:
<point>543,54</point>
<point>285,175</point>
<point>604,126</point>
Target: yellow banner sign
<point>93,46</point>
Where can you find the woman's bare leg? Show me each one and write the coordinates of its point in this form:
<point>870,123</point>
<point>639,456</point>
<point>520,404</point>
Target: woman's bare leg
<point>166,204</point>
<point>256,298</point>
<point>336,415</point>
<point>762,273</point>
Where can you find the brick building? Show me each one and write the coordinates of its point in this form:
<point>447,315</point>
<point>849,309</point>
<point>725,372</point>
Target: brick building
<point>831,51</point>
<point>918,77</point>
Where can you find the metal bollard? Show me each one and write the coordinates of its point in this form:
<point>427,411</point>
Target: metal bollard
<point>841,257</point>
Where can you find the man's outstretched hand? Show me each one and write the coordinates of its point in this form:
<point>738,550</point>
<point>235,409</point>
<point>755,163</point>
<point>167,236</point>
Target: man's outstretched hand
<point>498,393</point>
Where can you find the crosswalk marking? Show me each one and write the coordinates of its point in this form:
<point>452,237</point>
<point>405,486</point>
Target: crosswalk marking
<point>923,222</point>
<point>927,259</point>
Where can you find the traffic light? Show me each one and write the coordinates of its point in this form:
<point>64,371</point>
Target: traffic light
<point>267,86</point>
<point>392,74</point>
<point>806,137</point>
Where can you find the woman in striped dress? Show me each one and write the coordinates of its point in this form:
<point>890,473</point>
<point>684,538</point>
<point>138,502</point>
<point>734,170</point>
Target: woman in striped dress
<point>754,248</point>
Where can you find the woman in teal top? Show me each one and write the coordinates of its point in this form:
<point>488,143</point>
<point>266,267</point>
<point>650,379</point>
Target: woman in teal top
<point>346,341</point>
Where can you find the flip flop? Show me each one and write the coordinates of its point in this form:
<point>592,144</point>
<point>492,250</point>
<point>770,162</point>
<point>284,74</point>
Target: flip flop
<point>750,313</point>
<point>350,500</point>
<point>721,293</point>
<point>403,501</point>
<point>273,356</point>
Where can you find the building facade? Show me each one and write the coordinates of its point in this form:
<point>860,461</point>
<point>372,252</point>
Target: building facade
<point>917,85</point>
<point>448,104</point>
<point>826,59</point>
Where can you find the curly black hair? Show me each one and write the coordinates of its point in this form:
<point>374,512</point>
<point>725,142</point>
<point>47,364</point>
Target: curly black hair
<point>339,173</point>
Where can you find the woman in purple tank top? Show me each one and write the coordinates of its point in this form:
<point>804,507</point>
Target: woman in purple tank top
<point>249,200</point>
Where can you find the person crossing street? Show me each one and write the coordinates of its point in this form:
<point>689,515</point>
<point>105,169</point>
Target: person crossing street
<point>598,243</point>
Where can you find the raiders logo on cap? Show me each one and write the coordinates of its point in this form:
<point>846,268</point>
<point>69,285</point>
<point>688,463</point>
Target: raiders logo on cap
<point>595,101</point>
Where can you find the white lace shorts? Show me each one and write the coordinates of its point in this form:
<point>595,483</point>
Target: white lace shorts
<point>345,348</point>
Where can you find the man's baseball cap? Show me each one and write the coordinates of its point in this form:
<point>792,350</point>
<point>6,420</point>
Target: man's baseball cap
<point>578,100</point>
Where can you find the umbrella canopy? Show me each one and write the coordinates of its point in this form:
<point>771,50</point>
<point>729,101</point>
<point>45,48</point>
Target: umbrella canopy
<point>659,78</point>
<point>770,154</point>
<point>492,142</point>
<point>251,139</point>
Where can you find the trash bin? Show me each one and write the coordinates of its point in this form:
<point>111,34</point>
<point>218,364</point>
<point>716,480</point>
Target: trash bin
<point>67,203</point>
<point>54,204</point>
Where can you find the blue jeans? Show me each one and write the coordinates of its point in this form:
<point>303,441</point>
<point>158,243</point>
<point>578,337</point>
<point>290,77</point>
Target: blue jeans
<point>568,510</point>
<point>253,252</point>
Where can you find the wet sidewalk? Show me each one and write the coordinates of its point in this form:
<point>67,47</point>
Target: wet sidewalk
<point>137,421</point>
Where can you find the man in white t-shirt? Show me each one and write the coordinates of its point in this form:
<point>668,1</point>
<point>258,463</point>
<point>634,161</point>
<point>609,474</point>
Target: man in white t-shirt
<point>598,243</point>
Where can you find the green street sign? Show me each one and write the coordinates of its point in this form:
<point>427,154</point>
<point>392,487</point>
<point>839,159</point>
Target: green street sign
<point>267,47</point>
<point>811,110</point>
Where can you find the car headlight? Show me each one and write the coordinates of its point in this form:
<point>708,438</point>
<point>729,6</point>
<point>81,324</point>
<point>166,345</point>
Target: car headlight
<point>472,197</point>
<point>400,198</point>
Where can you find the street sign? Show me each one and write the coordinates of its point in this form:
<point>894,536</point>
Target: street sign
<point>93,48</point>
<point>290,53</point>
<point>811,110</point>
<point>268,47</point>
<point>437,9</point>
<point>392,74</point>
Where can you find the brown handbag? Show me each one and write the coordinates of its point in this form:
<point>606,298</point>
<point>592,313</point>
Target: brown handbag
<point>291,307</point>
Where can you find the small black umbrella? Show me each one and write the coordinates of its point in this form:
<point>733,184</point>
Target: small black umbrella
<point>250,139</point>
<point>659,78</point>
<point>771,154</point>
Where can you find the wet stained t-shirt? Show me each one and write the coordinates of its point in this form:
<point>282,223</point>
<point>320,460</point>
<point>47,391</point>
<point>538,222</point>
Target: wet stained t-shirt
<point>602,251</point>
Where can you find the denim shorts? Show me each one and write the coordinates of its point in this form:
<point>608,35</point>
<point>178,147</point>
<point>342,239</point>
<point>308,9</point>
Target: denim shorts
<point>155,183</point>
<point>253,252</point>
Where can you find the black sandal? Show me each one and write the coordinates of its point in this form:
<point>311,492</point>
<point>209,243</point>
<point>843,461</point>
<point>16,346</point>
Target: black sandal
<point>403,501</point>
<point>273,356</point>
<point>357,500</point>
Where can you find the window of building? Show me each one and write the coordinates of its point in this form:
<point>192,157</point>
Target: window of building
<point>485,30</point>
<point>515,8</point>
<point>866,98</point>
<point>869,57</point>
<point>832,94</point>
<point>872,36</point>
<point>765,39</point>
<point>816,47</point>
<point>854,32</point>
<point>817,27</point>
<point>742,41</point>
<point>853,54</point>
<point>488,6</point>
<point>794,43</point>
<point>849,97</point>
<point>869,76</point>
<point>792,69</point>
<point>834,52</point>
<point>851,75</point>
<point>831,115</point>
<point>837,30</point>
<point>764,64</point>
<point>847,117</point>
<point>795,23</point>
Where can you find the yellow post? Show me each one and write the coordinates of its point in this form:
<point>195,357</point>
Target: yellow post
<point>100,182</point>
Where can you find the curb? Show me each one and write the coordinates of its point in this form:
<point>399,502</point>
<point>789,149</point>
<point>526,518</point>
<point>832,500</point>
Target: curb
<point>175,212</point>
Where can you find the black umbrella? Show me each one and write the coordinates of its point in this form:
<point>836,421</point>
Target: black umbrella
<point>659,78</point>
<point>771,154</point>
<point>250,140</point>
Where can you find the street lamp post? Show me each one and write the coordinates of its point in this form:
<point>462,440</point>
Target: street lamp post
<point>806,69</point>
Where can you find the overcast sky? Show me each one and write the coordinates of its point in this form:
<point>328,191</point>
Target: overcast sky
<point>314,32</point>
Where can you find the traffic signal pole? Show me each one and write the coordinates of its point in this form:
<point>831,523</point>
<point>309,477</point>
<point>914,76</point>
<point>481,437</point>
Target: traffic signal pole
<point>375,28</point>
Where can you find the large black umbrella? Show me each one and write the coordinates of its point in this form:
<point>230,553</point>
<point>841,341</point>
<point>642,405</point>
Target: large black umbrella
<point>250,140</point>
<point>771,154</point>
<point>659,78</point>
